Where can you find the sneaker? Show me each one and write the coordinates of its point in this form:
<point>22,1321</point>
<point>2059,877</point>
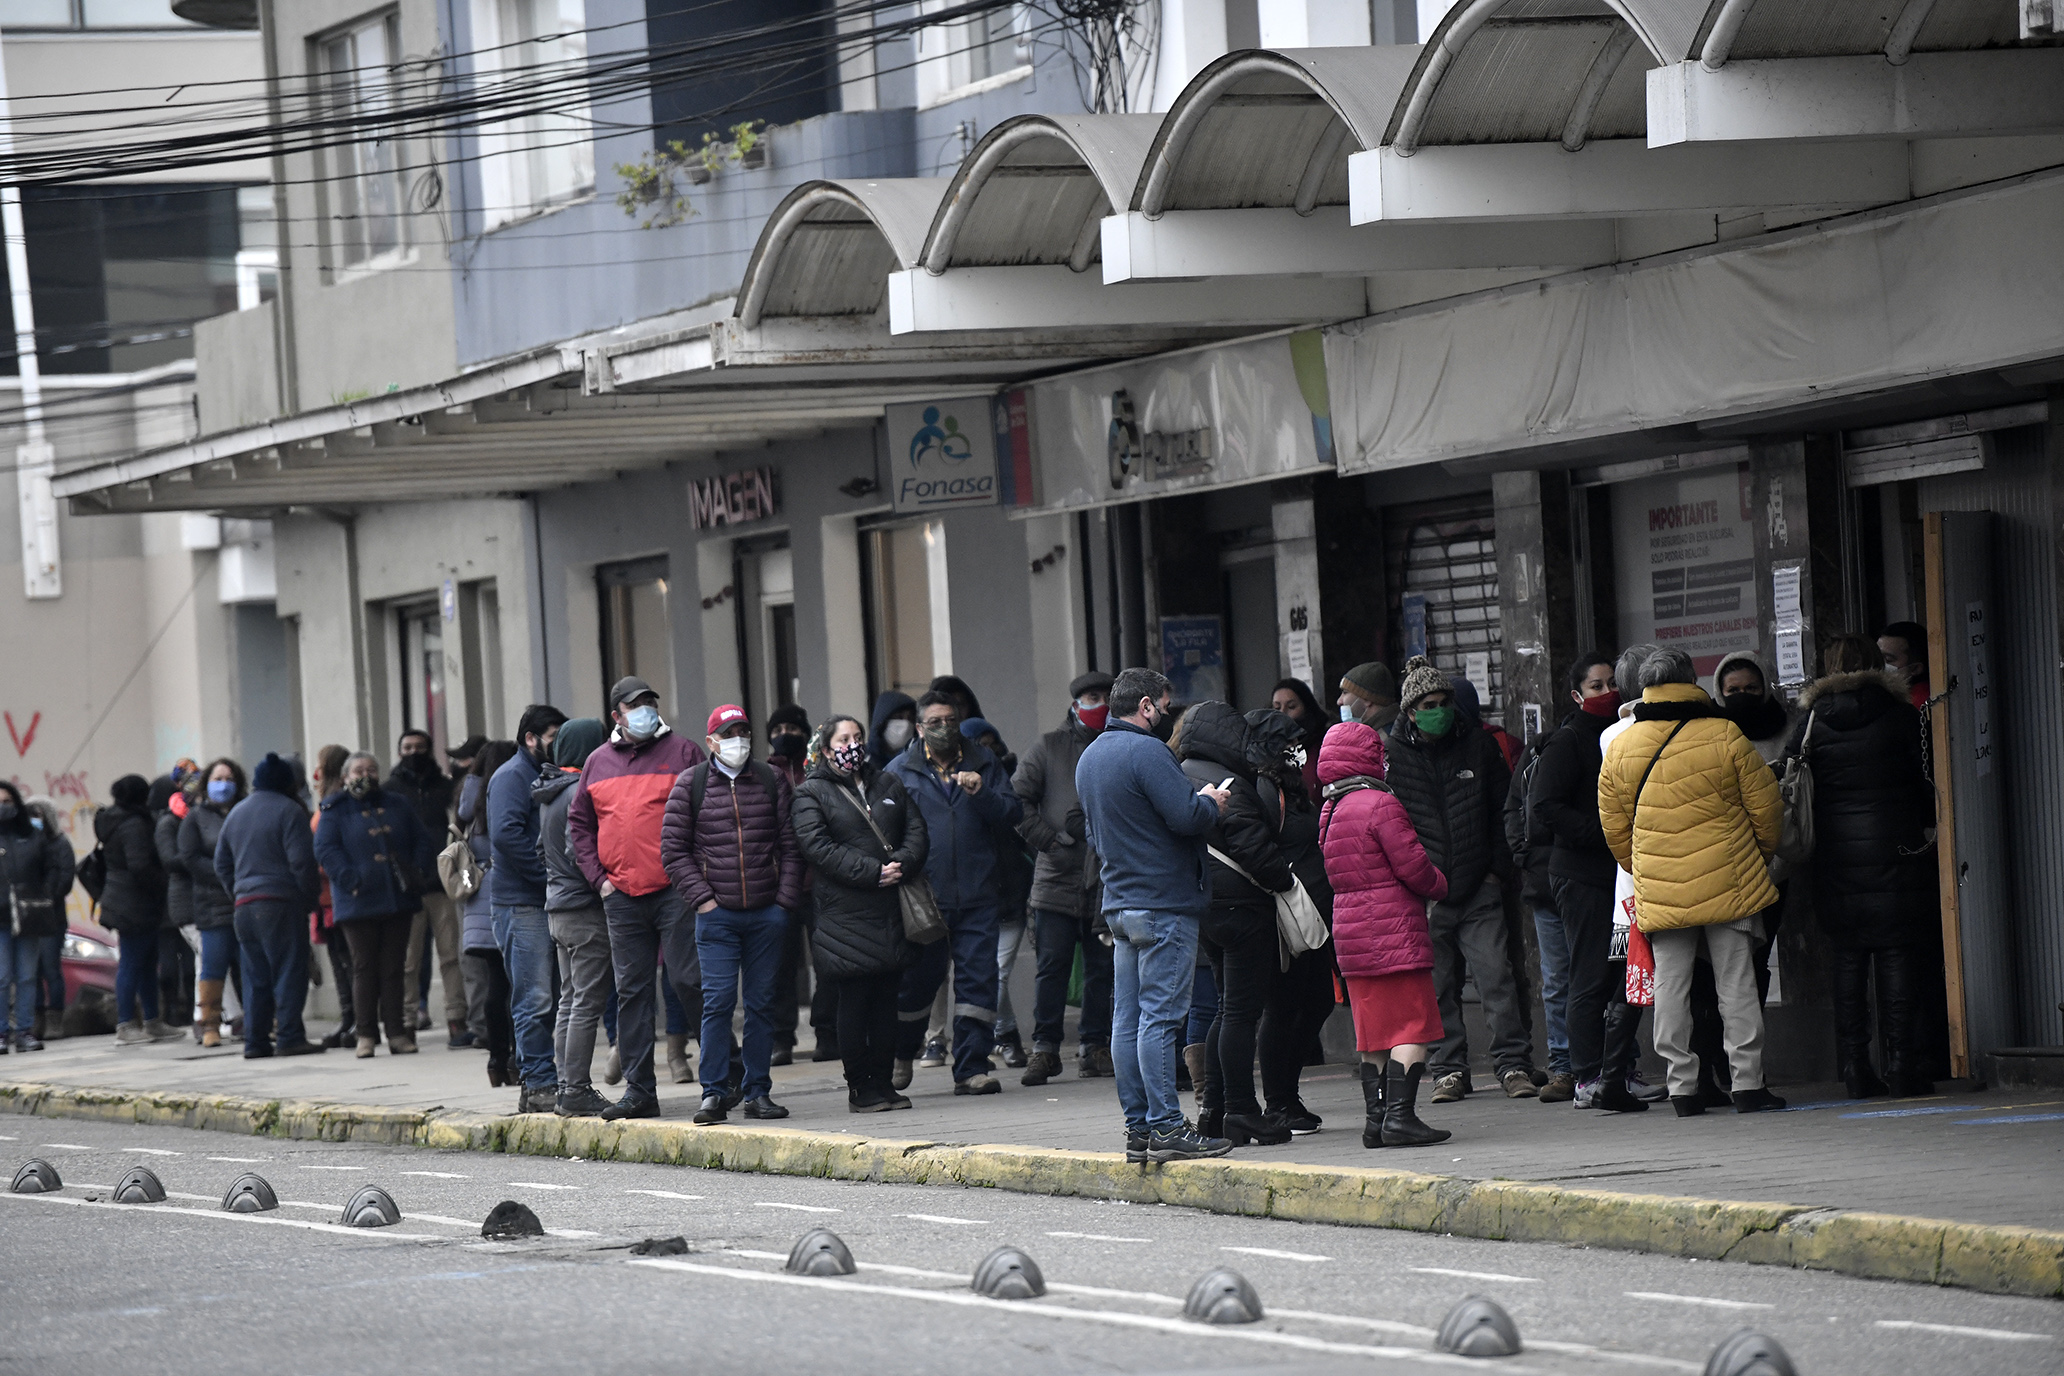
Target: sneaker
<point>424,1022</point>
<point>131,1034</point>
<point>1040,1067</point>
<point>900,1077</point>
<point>580,1101</point>
<point>1518,1084</point>
<point>1587,1094</point>
<point>159,1030</point>
<point>1643,1090</point>
<point>27,1041</point>
<point>934,1054</point>
<point>978,1084</point>
<point>459,1037</point>
<point>764,1108</point>
<point>1560,1089</point>
<point>1184,1144</point>
<point>712,1110</point>
<point>1301,1121</point>
<point>543,1099</point>
<point>1094,1063</point>
<point>631,1106</point>
<point>1756,1101</point>
<point>1136,1149</point>
<point>1010,1049</point>
<point>1452,1088</point>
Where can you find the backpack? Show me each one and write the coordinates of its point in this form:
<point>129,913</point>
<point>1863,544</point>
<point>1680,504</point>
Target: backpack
<point>93,872</point>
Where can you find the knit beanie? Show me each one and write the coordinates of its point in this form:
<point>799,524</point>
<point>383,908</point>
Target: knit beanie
<point>1421,678</point>
<point>274,775</point>
<point>788,714</point>
<point>1375,680</point>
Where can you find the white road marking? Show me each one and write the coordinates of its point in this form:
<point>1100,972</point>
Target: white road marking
<point>67,1146</point>
<point>941,1218</point>
<point>664,1194</point>
<point>2005,1335</point>
<point>1475,1275</point>
<point>1272,1252</point>
<point>1178,1327</point>
<point>153,1151</point>
<point>921,1273</point>
<point>1099,1237</point>
<point>439,1175</point>
<point>443,1218</point>
<point>243,1160</point>
<point>1706,1300</point>
<point>332,1168</point>
<point>5,1138</point>
<point>371,1234</point>
<point>799,1208</point>
<point>538,1185</point>
<point>570,1232</point>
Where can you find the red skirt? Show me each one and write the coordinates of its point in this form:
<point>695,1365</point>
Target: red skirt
<point>1394,1010</point>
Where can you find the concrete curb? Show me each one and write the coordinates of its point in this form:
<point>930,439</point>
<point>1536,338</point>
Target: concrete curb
<point>1997,1259</point>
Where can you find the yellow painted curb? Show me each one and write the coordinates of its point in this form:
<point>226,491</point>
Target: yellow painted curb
<point>1998,1259</point>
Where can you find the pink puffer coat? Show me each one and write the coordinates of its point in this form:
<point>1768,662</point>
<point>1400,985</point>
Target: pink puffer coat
<point>1381,877</point>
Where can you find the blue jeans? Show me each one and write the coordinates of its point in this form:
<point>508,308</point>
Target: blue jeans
<point>971,939</point>
<point>218,946</point>
<point>524,935</point>
<point>1203,1005</point>
<point>18,960</point>
<point>1058,935</point>
<point>1155,969</point>
<point>739,948</point>
<point>136,976</point>
<point>272,942</point>
<point>1554,985</point>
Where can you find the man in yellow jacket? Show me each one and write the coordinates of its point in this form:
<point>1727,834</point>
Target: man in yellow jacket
<point>1692,812</point>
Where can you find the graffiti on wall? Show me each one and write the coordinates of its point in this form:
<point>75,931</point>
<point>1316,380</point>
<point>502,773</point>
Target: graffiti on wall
<point>22,736</point>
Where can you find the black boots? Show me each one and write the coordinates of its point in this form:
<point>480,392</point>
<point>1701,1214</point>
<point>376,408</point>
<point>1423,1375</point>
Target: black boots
<point>1258,1129</point>
<point>1622,1032</point>
<point>1858,1078</point>
<point>1401,1125</point>
<point>1372,1103</point>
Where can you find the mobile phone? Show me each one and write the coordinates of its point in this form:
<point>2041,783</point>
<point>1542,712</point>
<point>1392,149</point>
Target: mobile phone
<point>1226,782</point>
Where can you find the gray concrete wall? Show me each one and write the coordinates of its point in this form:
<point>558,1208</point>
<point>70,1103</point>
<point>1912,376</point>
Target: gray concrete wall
<point>237,369</point>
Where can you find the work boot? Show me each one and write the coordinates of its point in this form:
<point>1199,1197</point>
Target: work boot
<point>1374,1079</point>
<point>365,1048</point>
<point>210,992</point>
<point>1401,1125</point>
<point>402,1045</point>
<point>900,1078</point>
<point>979,1084</point>
<point>1451,1088</point>
<point>579,1101</point>
<point>158,1030</point>
<point>1518,1084</point>
<point>1095,1063</point>
<point>543,1099</point>
<point>1040,1067</point>
<point>676,1059</point>
<point>1560,1089</point>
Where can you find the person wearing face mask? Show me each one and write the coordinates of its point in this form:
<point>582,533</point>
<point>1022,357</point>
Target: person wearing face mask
<point>1303,998</point>
<point>211,795</point>
<point>970,814</point>
<point>376,852</point>
<point>891,727</point>
<point>1452,779</point>
<point>132,905</point>
<point>428,788</point>
<point>727,845</point>
<point>168,804</point>
<point>1369,694</point>
<point>613,828</point>
<point>1060,917</point>
<point>265,859</point>
<point>516,883</point>
<point>1741,685</point>
<point>1013,927</point>
<point>1294,698</point>
<point>37,865</point>
<point>788,745</point>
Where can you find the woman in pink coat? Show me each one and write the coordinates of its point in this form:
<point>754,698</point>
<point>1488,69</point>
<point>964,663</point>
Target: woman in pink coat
<point>1382,882</point>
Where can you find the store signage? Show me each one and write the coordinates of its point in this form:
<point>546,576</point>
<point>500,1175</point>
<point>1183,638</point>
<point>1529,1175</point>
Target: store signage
<point>942,454</point>
<point>1193,657</point>
<point>1178,455</point>
<point>1684,552</point>
<point>732,499</point>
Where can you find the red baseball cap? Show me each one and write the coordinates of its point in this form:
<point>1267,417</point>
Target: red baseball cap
<point>723,717</point>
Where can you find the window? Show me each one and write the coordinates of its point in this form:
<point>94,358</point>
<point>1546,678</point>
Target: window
<point>544,158</point>
<point>986,48</point>
<point>636,635</point>
<point>906,606</point>
<point>422,673</point>
<point>361,77</point>
<point>90,14</point>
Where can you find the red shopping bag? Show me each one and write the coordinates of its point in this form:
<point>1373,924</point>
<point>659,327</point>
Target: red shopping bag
<point>1640,966</point>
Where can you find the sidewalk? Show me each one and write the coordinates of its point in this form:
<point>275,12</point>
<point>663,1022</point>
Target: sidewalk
<point>1995,1157</point>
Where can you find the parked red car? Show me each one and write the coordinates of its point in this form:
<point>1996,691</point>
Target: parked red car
<point>89,968</point>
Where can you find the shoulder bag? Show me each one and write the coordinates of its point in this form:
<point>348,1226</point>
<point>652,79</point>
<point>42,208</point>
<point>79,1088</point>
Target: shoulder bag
<point>458,869</point>
<point>1795,786</point>
<point>923,923</point>
<point>1299,927</point>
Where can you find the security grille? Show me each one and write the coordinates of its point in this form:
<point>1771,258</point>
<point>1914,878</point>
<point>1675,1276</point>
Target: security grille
<point>1441,570</point>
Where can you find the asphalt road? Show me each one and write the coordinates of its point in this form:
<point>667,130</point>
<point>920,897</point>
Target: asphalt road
<point>92,1286</point>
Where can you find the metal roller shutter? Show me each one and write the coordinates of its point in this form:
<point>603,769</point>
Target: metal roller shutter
<point>1441,570</point>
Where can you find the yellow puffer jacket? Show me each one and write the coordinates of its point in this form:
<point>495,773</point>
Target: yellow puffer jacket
<point>1709,816</point>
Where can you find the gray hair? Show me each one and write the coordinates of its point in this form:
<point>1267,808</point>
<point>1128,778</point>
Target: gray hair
<point>1668,666</point>
<point>1133,684</point>
<point>1627,672</point>
<point>355,756</point>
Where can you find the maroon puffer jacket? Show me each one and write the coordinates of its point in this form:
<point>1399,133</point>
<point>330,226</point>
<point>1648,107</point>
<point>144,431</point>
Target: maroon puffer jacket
<point>739,849</point>
<point>1380,874</point>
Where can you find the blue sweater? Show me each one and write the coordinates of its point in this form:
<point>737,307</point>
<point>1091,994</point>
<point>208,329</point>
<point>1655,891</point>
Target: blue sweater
<point>516,872</point>
<point>358,841</point>
<point>1147,822</point>
<point>965,830</point>
<point>266,851</point>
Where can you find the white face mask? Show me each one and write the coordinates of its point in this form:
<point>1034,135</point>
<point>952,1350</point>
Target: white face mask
<point>734,750</point>
<point>896,733</point>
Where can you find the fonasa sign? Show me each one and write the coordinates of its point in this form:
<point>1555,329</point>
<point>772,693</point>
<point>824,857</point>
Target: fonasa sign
<point>942,454</point>
<point>732,499</point>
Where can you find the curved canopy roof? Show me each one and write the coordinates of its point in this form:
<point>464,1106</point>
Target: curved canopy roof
<point>1035,191</point>
<point>1744,29</point>
<point>830,246</point>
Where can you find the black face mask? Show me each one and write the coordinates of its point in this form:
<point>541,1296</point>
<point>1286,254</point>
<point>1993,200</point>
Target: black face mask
<point>1010,764</point>
<point>1164,726</point>
<point>418,766</point>
<point>788,745</point>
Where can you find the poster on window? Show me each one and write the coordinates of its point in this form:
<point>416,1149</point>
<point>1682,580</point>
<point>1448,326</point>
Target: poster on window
<point>1193,657</point>
<point>1684,556</point>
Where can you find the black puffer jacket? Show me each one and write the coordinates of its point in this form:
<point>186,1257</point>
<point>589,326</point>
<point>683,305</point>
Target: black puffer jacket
<point>1045,784</point>
<point>1873,866</point>
<point>1527,835</point>
<point>35,862</point>
<point>1214,745</point>
<point>178,883</point>
<point>859,923</point>
<point>134,899</point>
<point>198,832</point>
<point>1565,801</point>
<point>1454,791</point>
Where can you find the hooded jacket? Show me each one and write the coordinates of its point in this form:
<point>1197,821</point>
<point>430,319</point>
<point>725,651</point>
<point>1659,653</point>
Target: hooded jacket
<point>1045,785</point>
<point>35,861</point>
<point>1454,791</point>
<point>1769,727</point>
<point>613,823</point>
<point>199,831</point>
<point>566,888</point>
<point>134,899</point>
<point>738,848</point>
<point>1874,868</point>
<point>1707,819</point>
<point>362,845</point>
<point>1382,880</point>
<point>965,832</point>
<point>1565,801</point>
<point>267,851</point>
<point>859,929</point>
<point>1214,746</point>
<point>886,706</point>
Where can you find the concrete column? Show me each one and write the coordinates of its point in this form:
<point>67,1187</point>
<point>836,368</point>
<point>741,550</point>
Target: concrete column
<point>1297,584</point>
<point>1536,596</point>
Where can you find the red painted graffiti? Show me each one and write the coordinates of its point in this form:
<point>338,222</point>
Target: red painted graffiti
<point>23,739</point>
<point>72,785</point>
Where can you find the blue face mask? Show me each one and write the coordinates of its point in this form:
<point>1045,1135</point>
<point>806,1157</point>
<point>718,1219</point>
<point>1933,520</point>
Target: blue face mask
<point>642,723</point>
<point>1346,713</point>
<point>221,790</point>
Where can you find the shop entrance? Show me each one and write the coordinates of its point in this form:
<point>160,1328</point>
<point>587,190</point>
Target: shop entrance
<point>909,630</point>
<point>1441,574</point>
<point>764,574</point>
<point>637,637</point>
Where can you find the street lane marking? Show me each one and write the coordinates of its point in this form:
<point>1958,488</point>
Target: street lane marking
<point>1099,1237</point>
<point>2014,1118</point>
<point>371,1234</point>
<point>538,1185</point>
<point>2005,1335</point>
<point>67,1146</point>
<point>1475,1275</point>
<point>439,1175</point>
<point>1706,1300</point>
<point>921,1273</point>
<point>664,1194</point>
<point>1179,1327</point>
<point>1413,1330</point>
<point>5,1138</point>
<point>942,1218</point>
<point>153,1151</point>
<point>799,1208</point>
<point>331,1168</point>
<point>1272,1252</point>
<point>243,1160</point>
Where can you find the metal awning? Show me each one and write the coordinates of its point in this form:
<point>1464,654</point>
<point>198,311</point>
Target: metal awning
<point>1036,189</point>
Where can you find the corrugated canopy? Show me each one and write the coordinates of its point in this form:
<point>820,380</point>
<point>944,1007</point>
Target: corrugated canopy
<point>1836,28</point>
<point>828,248</point>
<point>1035,191</point>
